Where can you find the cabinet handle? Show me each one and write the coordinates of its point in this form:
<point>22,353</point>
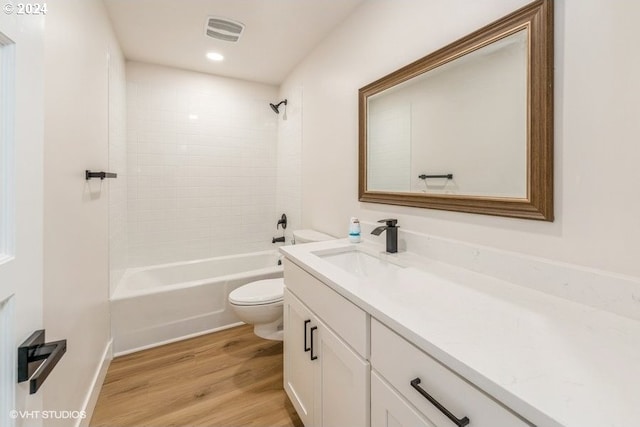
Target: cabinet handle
<point>306,347</point>
<point>311,354</point>
<point>459,422</point>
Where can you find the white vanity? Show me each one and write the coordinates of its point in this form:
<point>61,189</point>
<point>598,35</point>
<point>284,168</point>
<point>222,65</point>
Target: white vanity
<point>373,339</point>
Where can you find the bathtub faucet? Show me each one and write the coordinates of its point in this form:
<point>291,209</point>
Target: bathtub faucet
<point>277,239</point>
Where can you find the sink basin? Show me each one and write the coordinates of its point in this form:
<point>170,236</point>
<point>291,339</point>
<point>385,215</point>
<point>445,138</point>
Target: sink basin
<point>360,263</point>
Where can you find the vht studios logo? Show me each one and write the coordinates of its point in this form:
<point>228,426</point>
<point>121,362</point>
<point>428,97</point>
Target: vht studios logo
<point>43,415</point>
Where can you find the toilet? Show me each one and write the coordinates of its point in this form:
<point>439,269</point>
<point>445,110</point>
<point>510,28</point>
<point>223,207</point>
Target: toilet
<point>260,303</point>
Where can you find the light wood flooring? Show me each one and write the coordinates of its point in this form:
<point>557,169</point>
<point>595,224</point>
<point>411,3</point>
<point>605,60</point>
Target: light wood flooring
<point>230,378</point>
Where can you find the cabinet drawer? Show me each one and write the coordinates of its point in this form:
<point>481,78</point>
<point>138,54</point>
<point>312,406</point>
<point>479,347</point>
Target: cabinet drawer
<point>399,362</point>
<point>344,317</point>
<point>389,409</point>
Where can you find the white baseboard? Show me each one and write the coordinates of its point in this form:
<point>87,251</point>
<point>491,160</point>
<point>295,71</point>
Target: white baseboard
<point>172,340</point>
<point>91,399</point>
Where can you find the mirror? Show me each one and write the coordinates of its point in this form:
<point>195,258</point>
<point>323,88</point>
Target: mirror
<point>468,127</point>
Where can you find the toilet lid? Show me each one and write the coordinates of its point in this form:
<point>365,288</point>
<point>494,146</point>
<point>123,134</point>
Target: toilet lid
<point>260,292</point>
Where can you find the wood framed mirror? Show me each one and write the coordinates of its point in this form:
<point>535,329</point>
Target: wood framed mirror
<point>468,127</point>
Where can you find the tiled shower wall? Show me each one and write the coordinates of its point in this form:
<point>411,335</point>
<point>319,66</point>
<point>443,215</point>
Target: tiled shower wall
<point>117,163</point>
<point>289,176</point>
<point>201,165</point>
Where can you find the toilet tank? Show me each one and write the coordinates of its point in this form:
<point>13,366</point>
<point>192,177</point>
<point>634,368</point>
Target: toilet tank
<point>308,236</point>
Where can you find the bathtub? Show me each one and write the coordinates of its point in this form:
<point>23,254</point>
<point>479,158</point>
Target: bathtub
<point>159,304</point>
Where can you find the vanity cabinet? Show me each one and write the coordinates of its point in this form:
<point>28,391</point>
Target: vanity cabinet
<point>343,367</point>
<point>326,379</point>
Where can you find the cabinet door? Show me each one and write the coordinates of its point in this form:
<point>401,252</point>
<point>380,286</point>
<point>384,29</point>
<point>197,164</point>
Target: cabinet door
<point>389,409</point>
<point>343,381</point>
<point>298,367</point>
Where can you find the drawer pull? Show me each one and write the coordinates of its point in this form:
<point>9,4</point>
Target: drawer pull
<point>312,356</point>
<point>306,347</point>
<point>459,422</point>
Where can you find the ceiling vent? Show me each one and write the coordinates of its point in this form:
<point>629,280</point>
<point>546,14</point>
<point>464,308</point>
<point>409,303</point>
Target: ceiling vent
<point>223,29</point>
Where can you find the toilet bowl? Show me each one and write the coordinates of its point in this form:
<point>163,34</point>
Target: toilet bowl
<point>260,303</point>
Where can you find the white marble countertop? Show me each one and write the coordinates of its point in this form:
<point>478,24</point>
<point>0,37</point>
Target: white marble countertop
<point>555,362</point>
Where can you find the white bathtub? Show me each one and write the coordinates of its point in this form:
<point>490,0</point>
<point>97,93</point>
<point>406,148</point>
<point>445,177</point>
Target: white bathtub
<point>164,303</point>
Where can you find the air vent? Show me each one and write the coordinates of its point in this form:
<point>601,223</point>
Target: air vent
<point>223,29</point>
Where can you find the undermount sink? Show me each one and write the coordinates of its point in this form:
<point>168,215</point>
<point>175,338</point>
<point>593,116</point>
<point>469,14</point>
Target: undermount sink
<point>360,263</point>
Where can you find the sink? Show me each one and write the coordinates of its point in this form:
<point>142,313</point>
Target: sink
<point>360,263</point>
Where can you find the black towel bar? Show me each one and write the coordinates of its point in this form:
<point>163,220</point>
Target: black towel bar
<point>448,176</point>
<point>102,175</point>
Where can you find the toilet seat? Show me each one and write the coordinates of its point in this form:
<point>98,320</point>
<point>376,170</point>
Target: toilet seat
<point>261,292</point>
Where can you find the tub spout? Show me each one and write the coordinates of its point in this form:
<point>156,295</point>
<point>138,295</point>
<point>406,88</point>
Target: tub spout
<point>277,239</point>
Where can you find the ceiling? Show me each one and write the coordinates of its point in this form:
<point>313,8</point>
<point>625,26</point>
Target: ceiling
<point>278,34</point>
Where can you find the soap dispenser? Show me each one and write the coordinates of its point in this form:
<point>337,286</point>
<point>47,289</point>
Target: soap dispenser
<point>354,230</point>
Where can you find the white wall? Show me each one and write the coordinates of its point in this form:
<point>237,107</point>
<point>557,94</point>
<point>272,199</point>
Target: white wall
<point>596,110</point>
<point>78,40</point>
<point>201,165</point>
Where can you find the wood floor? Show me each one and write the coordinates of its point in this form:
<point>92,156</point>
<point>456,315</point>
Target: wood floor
<point>230,378</point>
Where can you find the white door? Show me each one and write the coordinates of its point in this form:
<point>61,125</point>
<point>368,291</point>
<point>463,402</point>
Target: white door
<point>21,183</point>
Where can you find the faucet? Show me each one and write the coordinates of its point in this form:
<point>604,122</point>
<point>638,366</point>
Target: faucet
<point>392,234</point>
<point>281,222</point>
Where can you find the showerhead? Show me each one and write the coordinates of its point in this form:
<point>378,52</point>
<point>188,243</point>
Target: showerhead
<point>276,107</point>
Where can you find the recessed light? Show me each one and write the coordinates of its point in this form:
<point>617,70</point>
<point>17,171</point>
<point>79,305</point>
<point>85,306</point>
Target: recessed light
<point>215,56</point>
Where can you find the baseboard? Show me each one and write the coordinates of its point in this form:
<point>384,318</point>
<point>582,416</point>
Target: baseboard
<point>172,340</point>
<point>91,399</point>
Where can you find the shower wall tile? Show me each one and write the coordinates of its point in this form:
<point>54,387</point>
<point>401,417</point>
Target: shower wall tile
<point>202,165</point>
<point>118,188</point>
<point>289,159</point>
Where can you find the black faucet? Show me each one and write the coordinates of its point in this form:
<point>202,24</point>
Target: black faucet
<point>281,222</point>
<point>392,234</point>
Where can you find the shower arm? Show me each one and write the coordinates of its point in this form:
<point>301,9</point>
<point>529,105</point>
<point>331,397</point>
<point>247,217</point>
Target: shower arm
<point>275,107</point>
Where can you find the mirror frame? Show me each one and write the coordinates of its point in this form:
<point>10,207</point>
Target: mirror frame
<point>537,17</point>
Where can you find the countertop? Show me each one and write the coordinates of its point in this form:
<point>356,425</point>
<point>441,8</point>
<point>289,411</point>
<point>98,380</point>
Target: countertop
<point>553,361</point>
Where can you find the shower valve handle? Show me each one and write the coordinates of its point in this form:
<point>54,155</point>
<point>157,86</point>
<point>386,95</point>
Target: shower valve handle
<point>282,222</point>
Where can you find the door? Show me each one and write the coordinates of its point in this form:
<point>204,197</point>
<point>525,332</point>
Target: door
<point>298,366</point>
<point>21,184</point>
<point>342,378</point>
